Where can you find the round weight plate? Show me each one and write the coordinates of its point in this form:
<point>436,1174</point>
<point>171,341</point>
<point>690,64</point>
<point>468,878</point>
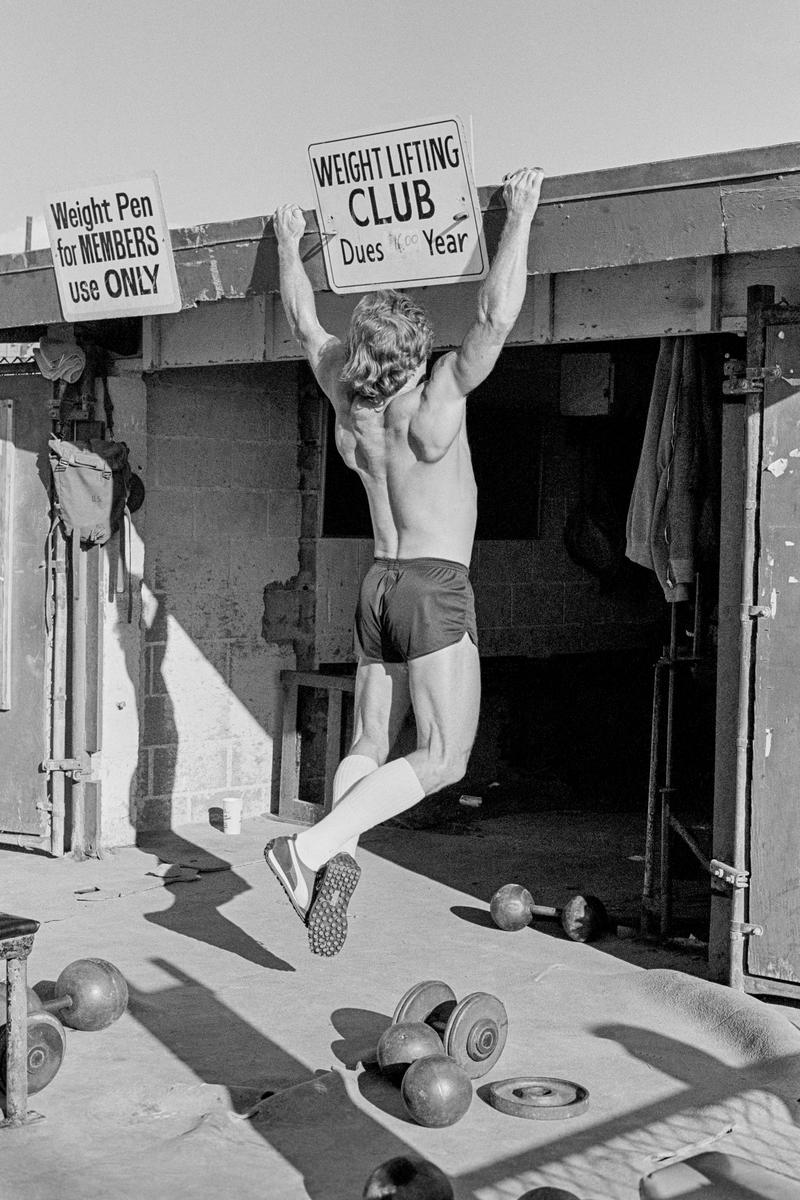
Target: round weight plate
<point>538,1098</point>
<point>422,1000</point>
<point>476,1033</point>
<point>47,1043</point>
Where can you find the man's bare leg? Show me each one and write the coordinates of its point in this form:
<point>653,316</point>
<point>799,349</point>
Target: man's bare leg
<point>446,697</point>
<point>382,702</point>
<point>445,694</point>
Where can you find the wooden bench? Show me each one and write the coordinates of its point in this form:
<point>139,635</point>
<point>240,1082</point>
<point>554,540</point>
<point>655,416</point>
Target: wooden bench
<point>289,741</point>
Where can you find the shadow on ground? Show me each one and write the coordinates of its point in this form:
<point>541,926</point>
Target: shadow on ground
<point>222,886</point>
<point>307,1117</point>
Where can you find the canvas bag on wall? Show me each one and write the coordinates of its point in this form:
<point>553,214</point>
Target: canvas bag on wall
<point>92,481</point>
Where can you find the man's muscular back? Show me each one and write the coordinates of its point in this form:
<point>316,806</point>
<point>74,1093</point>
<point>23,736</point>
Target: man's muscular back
<point>414,461</point>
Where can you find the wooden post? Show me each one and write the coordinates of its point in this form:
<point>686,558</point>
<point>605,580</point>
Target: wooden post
<point>333,744</point>
<point>78,739</point>
<point>6,547</point>
<point>59,717</point>
<point>17,1041</point>
<point>290,745</point>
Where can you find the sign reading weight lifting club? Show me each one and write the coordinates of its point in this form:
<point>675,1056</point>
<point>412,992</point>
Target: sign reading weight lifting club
<point>112,251</point>
<point>398,208</point>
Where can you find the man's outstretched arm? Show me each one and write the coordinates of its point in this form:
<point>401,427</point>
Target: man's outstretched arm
<point>503,291</point>
<point>322,349</point>
<point>454,376</point>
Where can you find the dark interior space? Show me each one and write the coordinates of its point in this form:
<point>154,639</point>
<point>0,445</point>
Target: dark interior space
<point>571,732</point>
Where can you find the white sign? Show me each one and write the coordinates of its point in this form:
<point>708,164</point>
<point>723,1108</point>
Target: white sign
<point>398,208</point>
<point>112,251</point>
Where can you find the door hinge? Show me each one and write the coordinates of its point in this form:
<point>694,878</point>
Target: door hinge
<point>731,875</point>
<point>82,769</point>
<point>741,380</point>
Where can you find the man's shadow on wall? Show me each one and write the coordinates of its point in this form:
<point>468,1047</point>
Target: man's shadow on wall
<point>195,911</point>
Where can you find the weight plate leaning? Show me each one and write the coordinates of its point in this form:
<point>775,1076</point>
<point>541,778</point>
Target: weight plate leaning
<point>422,1000</point>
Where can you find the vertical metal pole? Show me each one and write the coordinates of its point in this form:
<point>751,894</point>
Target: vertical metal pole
<point>78,746</point>
<point>17,1042</point>
<point>697,630</point>
<point>652,797</point>
<point>666,791</point>
<point>758,298</point>
<point>59,727</point>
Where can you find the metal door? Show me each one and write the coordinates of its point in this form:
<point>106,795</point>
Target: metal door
<point>24,682</point>
<point>774,824</point>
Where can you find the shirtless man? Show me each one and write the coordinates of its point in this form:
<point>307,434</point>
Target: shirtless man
<point>405,435</point>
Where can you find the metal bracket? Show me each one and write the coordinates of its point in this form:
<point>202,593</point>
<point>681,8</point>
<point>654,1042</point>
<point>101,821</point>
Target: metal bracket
<point>83,768</point>
<point>741,380</point>
<point>731,875</point>
<point>743,929</point>
<point>752,612</point>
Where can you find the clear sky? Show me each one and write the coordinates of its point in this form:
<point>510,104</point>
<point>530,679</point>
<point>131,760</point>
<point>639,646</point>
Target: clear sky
<point>222,97</point>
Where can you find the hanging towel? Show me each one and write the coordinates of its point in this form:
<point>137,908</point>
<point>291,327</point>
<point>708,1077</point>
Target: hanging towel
<point>652,461</point>
<point>673,488</point>
<point>59,360</point>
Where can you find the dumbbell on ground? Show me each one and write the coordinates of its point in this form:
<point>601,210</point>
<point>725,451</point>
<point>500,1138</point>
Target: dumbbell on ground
<point>436,1045</point>
<point>583,918</point>
<point>473,1031</point>
<point>89,994</point>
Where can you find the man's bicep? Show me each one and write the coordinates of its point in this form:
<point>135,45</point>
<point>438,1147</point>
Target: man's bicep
<point>476,357</point>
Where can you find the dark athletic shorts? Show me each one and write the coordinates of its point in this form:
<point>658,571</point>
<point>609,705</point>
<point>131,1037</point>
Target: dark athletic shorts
<point>408,607</point>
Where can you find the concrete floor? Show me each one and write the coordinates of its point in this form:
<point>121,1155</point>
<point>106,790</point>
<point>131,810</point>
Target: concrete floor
<point>227,1005</point>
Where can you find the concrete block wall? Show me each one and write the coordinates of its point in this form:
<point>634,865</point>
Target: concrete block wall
<point>533,600</point>
<point>222,535</point>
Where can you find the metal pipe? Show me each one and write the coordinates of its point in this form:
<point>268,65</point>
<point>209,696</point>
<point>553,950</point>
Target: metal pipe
<point>697,628</point>
<point>758,298</point>
<point>667,789</point>
<point>690,841</point>
<point>652,795</point>
<point>59,684</point>
<point>78,741</point>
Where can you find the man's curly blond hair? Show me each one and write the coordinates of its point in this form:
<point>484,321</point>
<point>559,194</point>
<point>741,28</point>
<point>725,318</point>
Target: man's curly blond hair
<point>389,337</point>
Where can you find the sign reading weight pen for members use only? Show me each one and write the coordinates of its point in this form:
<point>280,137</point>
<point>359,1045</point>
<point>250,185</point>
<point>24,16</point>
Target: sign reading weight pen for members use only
<point>399,208</point>
<point>112,251</point>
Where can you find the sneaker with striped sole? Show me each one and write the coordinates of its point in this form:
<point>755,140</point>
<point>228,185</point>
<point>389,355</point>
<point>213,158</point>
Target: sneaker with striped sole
<point>327,917</point>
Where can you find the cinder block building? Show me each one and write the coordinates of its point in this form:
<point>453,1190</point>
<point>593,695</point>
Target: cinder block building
<point>246,554</point>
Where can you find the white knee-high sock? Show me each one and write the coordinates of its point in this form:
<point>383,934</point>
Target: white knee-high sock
<point>384,793</point>
<point>351,769</point>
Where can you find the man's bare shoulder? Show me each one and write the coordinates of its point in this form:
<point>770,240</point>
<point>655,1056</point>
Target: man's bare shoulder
<point>327,368</point>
